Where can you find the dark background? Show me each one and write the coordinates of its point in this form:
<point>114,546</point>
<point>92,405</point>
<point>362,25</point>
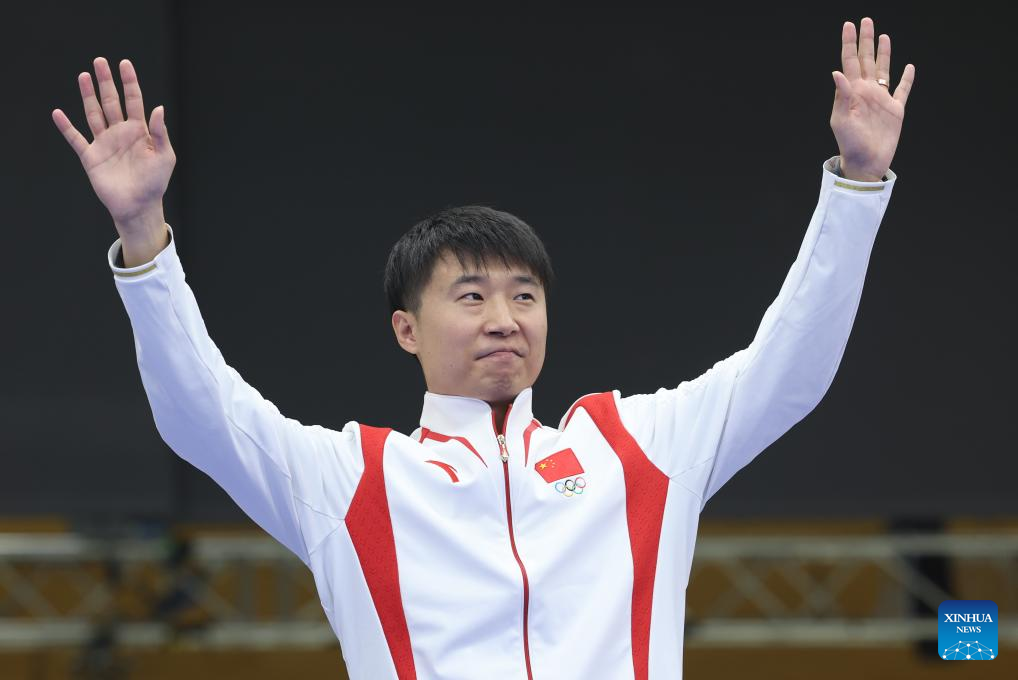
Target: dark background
<point>671,161</point>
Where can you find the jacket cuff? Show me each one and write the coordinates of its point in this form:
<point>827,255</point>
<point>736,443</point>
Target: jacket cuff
<point>115,257</point>
<point>832,167</point>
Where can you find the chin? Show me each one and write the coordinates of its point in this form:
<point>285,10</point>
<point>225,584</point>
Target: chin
<point>503,388</point>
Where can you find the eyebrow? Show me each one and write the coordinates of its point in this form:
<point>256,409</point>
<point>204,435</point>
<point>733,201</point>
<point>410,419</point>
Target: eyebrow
<point>478,278</point>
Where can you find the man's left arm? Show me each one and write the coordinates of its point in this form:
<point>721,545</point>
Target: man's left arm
<point>788,367</point>
<point>705,430</point>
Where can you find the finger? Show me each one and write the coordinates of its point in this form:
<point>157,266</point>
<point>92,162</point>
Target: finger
<point>842,92</point>
<point>884,57</point>
<point>157,128</point>
<point>70,133</point>
<point>132,92</point>
<point>905,84</point>
<point>866,60</point>
<point>108,95</point>
<point>849,58</point>
<point>93,112</point>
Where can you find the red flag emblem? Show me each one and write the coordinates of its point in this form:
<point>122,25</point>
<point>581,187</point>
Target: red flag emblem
<point>558,465</point>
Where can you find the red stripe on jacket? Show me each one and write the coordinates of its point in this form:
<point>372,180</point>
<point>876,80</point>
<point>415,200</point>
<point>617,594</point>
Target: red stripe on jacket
<point>370,527</point>
<point>646,491</point>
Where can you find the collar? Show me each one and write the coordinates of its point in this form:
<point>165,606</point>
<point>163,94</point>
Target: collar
<point>472,418</point>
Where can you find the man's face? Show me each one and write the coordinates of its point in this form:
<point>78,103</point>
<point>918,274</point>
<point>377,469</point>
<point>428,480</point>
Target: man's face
<point>478,333</point>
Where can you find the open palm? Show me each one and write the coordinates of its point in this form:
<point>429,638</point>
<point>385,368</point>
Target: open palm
<point>866,118</point>
<point>128,162</point>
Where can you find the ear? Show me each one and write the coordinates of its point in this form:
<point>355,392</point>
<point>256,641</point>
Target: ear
<point>404,325</point>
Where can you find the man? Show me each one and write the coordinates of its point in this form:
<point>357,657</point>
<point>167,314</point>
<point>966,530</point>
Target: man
<point>486,543</point>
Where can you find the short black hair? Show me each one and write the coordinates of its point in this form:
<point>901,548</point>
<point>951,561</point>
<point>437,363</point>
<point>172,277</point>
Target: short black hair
<point>474,234</point>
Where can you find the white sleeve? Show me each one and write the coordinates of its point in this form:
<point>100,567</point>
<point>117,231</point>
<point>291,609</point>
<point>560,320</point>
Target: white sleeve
<point>295,481</point>
<point>705,430</point>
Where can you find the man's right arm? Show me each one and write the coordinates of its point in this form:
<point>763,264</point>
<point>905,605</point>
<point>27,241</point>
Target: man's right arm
<point>293,480</point>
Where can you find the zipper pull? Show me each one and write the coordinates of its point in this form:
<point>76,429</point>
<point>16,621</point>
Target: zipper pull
<point>501,445</point>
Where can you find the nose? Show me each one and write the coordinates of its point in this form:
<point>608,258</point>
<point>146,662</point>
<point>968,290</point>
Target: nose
<point>500,318</point>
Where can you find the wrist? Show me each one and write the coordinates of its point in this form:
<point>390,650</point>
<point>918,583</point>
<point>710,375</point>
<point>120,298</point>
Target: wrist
<point>859,174</point>
<point>142,225</point>
<point>858,177</point>
<point>142,244</point>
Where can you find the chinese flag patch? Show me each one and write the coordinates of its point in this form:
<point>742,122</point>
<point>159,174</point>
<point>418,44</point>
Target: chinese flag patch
<point>558,465</point>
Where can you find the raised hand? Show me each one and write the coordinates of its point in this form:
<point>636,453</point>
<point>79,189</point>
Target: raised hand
<point>867,119</point>
<point>128,162</point>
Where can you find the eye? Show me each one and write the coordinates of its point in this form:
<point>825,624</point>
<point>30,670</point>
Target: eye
<point>479,297</point>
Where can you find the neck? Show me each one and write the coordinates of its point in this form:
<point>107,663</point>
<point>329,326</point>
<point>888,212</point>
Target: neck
<point>499,409</point>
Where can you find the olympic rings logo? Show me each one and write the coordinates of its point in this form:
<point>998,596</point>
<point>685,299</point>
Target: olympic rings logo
<point>571,487</point>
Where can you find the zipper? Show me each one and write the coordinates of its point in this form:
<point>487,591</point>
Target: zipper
<point>504,455</point>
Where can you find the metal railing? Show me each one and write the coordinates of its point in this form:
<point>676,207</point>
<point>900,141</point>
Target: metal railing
<point>250,592</point>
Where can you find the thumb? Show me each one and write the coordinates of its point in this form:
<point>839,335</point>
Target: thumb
<point>843,90</point>
<point>157,128</point>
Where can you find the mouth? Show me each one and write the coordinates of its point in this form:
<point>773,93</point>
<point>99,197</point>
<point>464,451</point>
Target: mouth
<point>500,354</point>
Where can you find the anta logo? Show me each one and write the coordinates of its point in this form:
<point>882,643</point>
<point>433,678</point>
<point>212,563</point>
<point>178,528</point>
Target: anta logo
<point>449,469</point>
<point>564,471</point>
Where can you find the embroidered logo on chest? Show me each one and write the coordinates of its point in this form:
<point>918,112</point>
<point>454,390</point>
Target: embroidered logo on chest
<point>563,470</point>
<point>571,487</point>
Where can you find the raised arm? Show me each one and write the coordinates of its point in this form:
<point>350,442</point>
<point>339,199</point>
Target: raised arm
<point>293,480</point>
<point>703,431</point>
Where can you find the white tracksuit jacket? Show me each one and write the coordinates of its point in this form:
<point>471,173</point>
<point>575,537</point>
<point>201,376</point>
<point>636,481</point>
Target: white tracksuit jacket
<point>455,553</point>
